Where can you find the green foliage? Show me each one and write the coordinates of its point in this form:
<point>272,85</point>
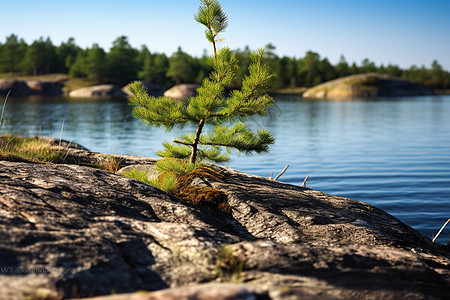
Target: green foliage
<point>12,54</point>
<point>138,175</point>
<point>212,105</point>
<point>211,15</point>
<point>41,57</point>
<point>78,68</point>
<point>159,112</point>
<point>176,166</point>
<point>67,52</point>
<point>95,64</point>
<point>165,182</point>
<point>182,67</point>
<point>155,67</point>
<point>121,62</point>
<point>240,137</point>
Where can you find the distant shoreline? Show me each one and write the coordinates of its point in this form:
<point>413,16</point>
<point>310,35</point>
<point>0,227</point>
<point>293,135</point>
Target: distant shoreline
<point>69,84</point>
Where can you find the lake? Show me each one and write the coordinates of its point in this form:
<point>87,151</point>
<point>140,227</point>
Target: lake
<point>393,153</point>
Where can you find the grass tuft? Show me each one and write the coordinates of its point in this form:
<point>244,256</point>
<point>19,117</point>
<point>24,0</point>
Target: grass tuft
<point>165,182</point>
<point>111,163</point>
<point>229,266</point>
<point>17,148</point>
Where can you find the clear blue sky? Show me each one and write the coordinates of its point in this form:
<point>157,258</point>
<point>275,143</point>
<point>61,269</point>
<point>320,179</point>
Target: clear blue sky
<point>403,32</point>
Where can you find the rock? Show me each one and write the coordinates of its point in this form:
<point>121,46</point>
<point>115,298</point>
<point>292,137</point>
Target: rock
<point>83,157</point>
<point>18,88</point>
<point>45,88</point>
<point>366,85</point>
<point>75,231</point>
<point>22,88</point>
<point>62,143</point>
<point>182,91</point>
<point>101,91</point>
<point>216,291</point>
<point>153,89</point>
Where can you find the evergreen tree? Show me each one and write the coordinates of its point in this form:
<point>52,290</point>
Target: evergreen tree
<point>67,54</point>
<point>326,70</point>
<point>95,63</point>
<point>273,61</point>
<point>181,67</point>
<point>121,62</point>
<point>211,105</point>
<point>12,54</point>
<point>154,67</point>
<point>367,66</point>
<point>284,75</point>
<point>78,68</point>
<point>308,69</point>
<point>41,56</point>
<point>159,68</point>
<point>342,68</point>
<point>143,54</point>
<point>393,70</point>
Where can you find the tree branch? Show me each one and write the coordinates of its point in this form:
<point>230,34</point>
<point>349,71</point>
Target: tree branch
<point>183,143</point>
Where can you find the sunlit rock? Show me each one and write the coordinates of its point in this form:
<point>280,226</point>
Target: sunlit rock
<point>364,86</point>
<point>101,91</point>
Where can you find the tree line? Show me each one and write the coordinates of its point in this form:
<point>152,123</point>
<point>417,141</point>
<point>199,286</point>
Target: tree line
<point>123,64</point>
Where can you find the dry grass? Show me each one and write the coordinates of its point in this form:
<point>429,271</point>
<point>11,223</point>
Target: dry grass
<point>111,163</point>
<point>15,148</point>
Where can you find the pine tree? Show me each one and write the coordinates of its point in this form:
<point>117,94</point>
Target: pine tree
<point>12,54</point>
<point>181,67</point>
<point>95,63</point>
<point>121,62</point>
<point>212,105</point>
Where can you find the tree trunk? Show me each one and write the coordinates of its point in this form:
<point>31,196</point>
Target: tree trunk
<point>193,158</point>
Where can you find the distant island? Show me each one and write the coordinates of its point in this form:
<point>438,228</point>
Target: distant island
<point>366,85</point>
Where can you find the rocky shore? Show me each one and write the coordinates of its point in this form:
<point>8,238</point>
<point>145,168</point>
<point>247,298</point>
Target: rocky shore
<point>366,86</point>
<point>53,86</point>
<point>25,88</point>
<point>77,231</point>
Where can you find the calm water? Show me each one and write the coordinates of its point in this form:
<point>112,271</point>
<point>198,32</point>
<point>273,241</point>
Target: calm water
<point>391,153</point>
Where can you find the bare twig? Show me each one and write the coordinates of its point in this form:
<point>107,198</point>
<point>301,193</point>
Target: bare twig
<point>60,135</point>
<point>442,228</point>
<point>304,181</point>
<point>284,170</point>
<point>271,176</point>
<point>4,105</point>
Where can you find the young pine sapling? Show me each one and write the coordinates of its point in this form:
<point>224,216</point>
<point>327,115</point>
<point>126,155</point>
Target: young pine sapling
<point>212,105</point>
